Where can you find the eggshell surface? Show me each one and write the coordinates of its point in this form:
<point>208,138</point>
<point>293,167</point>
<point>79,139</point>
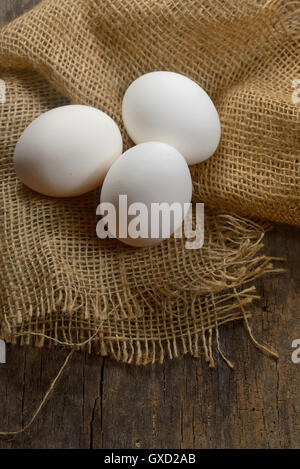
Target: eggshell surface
<point>169,107</point>
<point>148,173</point>
<point>67,151</point>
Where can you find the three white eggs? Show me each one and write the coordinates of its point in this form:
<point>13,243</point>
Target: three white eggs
<point>73,149</point>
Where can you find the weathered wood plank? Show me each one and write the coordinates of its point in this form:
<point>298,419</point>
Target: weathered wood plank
<point>10,9</point>
<point>100,403</point>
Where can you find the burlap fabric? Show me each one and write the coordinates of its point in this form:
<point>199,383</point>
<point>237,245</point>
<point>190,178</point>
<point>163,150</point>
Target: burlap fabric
<point>59,283</point>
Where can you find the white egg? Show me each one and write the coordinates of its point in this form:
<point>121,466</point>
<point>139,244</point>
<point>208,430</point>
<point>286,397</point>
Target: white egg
<point>67,151</point>
<point>171,108</point>
<point>147,174</point>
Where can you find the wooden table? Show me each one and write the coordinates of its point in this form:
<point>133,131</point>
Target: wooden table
<point>183,404</point>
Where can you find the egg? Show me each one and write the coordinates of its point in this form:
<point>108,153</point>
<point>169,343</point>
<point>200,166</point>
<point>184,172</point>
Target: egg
<point>171,108</point>
<point>67,151</point>
<point>148,174</point>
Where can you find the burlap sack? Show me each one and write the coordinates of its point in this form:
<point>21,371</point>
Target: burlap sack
<point>59,283</point>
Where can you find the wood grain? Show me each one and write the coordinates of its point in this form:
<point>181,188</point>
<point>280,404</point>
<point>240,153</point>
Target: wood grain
<point>183,404</point>
<point>10,9</point>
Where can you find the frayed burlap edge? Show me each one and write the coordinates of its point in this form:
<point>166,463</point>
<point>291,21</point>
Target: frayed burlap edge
<point>194,331</point>
<point>140,351</point>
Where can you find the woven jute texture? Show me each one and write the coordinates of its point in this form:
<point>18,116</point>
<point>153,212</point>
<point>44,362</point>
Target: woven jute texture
<point>59,284</point>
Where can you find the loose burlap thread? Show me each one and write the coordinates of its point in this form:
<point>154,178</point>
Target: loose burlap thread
<point>61,285</point>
